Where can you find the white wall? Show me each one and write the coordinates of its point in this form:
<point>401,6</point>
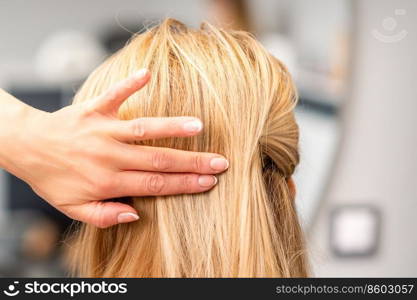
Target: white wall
<point>377,162</point>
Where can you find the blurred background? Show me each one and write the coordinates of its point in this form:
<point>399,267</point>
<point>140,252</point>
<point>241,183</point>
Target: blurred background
<point>354,63</point>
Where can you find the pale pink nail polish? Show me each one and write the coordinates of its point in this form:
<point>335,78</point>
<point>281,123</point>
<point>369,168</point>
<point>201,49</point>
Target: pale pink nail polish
<point>127,217</point>
<point>139,74</point>
<point>207,180</point>
<point>219,164</point>
<point>193,126</point>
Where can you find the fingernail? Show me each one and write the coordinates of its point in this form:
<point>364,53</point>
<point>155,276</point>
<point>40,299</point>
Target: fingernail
<point>193,126</point>
<point>207,180</point>
<point>139,74</point>
<point>127,217</point>
<point>219,164</point>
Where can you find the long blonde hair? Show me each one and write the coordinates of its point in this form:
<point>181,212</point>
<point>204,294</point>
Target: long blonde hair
<point>247,225</point>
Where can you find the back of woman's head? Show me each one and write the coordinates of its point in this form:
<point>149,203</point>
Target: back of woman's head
<point>245,226</point>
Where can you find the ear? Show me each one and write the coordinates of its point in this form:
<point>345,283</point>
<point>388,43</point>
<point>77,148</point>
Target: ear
<point>291,187</point>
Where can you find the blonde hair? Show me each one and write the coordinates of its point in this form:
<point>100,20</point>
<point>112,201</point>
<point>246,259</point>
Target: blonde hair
<point>247,225</point>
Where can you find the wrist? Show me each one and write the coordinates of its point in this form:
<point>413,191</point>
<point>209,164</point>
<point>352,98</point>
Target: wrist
<point>15,117</point>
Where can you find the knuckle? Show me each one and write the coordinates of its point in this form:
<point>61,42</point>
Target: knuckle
<point>129,83</point>
<point>94,149</point>
<point>187,183</point>
<point>155,184</point>
<point>104,186</point>
<point>89,109</point>
<point>197,163</point>
<point>138,128</point>
<point>161,161</point>
<point>101,223</point>
<point>97,217</point>
<point>113,93</point>
<point>174,126</point>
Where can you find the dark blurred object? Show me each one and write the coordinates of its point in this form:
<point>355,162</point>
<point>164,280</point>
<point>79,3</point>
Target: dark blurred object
<point>30,246</point>
<point>116,38</point>
<point>231,14</point>
<point>40,240</point>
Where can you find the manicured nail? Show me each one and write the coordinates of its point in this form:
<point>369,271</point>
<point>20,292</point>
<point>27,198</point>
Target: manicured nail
<point>193,126</point>
<point>207,180</point>
<point>219,164</point>
<point>141,73</point>
<point>127,217</point>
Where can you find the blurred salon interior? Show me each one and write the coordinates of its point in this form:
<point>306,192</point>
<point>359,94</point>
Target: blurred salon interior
<point>354,63</point>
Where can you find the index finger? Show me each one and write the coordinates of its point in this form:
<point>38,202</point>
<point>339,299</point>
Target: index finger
<point>153,128</point>
<point>110,101</point>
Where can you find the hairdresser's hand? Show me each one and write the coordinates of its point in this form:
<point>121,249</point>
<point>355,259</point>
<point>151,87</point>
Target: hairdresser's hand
<point>79,155</point>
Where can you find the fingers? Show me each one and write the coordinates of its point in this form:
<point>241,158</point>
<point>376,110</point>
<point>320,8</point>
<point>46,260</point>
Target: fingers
<point>132,183</point>
<point>111,100</point>
<point>104,214</point>
<point>145,158</point>
<point>154,128</point>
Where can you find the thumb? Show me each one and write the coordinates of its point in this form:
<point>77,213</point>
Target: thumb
<point>106,214</point>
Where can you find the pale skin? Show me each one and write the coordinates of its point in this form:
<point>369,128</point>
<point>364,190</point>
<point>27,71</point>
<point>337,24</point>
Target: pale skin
<point>80,155</point>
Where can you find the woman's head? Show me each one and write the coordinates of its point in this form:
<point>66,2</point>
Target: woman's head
<point>247,224</point>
